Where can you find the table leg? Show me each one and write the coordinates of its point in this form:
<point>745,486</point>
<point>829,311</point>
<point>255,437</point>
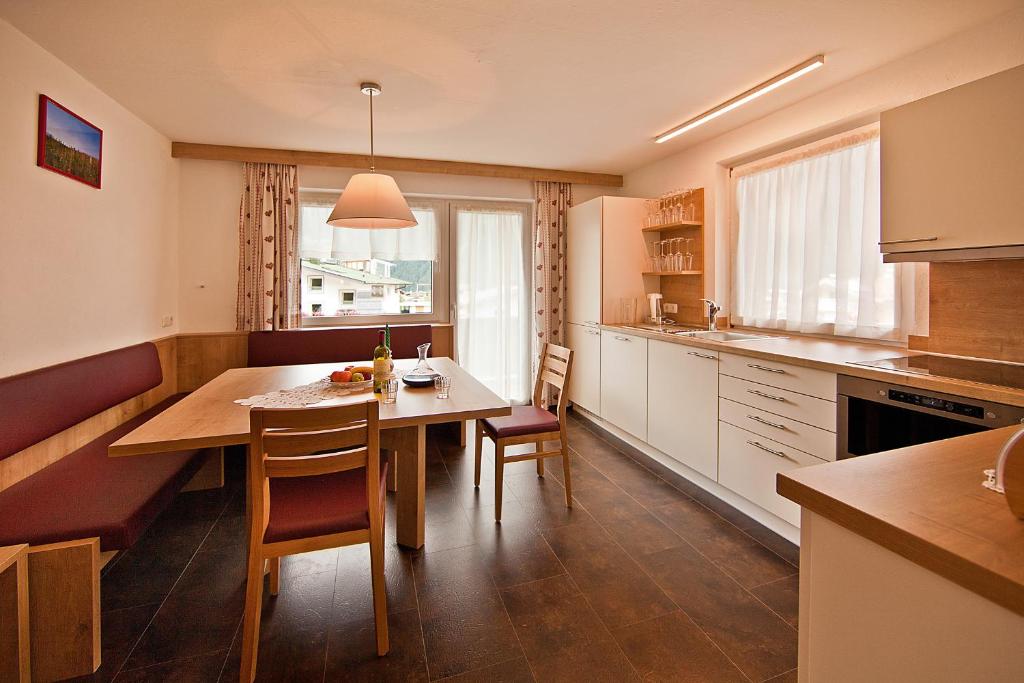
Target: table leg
<point>411,446</point>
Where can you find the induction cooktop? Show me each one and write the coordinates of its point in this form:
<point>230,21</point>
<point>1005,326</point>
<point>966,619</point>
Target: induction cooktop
<point>969,370</point>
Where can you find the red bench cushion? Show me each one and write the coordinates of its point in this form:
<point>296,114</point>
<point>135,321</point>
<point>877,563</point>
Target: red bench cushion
<point>524,420</point>
<point>304,507</point>
<point>295,347</point>
<point>38,404</point>
<point>86,493</point>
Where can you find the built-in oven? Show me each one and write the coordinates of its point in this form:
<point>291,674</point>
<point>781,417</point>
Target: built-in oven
<point>876,416</point>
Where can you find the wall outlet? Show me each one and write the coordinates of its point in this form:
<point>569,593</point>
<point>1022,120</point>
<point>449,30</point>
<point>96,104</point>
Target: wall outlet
<point>166,320</point>
<point>671,308</point>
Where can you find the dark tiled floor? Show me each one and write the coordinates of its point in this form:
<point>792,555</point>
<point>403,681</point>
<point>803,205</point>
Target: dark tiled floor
<point>641,579</point>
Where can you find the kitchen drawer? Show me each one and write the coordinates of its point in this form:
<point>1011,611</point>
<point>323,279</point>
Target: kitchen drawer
<point>746,467</point>
<point>817,442</point>
<point>782,375</point>
<point>807,409</point>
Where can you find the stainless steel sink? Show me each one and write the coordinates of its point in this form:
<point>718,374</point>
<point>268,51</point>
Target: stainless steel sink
<point>723,335</point>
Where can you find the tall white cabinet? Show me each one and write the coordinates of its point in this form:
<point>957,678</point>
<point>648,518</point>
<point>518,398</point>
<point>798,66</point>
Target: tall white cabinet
<point>605,259</point>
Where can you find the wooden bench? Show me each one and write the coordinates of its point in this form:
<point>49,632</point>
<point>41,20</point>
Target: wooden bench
<point>75,508</point>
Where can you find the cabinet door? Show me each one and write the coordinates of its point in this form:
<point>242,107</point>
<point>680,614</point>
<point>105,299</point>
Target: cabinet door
<point>624,382</point>
<point>952,168</point>
<point>682,404</point>
<point>583,269</point>
<point>624,255</point>
<point>585,380</point>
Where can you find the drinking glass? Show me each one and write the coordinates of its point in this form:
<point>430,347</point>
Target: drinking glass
<point>389,390</point>
<point>689,254</point>
<point>442,385</point>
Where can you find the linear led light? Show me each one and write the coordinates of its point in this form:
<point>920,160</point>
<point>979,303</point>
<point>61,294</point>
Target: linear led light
<point>738,101</point>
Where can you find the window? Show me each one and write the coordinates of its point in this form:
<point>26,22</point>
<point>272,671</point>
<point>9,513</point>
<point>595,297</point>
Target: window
<point>374,276</point>
<point>806,255</point>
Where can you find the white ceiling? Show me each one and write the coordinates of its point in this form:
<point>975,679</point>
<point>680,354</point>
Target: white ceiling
<point>579,84</point>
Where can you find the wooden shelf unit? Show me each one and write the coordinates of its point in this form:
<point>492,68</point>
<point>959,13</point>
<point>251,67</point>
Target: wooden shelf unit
<point>685,288</point>
<point>678,225</point>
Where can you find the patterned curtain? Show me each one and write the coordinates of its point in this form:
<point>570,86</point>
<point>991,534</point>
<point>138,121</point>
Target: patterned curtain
<point>268,240</point>
<point>553,202</point>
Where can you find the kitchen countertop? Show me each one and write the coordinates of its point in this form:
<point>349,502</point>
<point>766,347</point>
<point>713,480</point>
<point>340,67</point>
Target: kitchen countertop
<point>926,503</point>
<point>837,356</point>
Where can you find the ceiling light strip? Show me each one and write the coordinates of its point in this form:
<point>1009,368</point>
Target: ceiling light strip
<point>738,101</point>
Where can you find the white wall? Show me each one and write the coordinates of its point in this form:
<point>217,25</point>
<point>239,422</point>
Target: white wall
<point>81,270</point>
<point>209,198</point>
<point>968,56</point>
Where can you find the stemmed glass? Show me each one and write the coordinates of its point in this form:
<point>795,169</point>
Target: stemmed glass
<point>689,255</point>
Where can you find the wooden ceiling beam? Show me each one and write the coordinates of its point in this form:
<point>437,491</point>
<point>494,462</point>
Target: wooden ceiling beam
<point>191,150</point>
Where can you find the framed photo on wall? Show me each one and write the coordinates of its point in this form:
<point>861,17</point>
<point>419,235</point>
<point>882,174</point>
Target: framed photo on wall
<point>68,144</point>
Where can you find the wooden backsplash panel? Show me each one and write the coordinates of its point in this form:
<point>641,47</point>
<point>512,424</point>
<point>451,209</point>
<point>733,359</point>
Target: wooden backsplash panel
<point>685,290</point>
<point>976,308</point>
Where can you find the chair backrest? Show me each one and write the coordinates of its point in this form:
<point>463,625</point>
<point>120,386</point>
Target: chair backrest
<point>304,442</point>
<point>555,368</point>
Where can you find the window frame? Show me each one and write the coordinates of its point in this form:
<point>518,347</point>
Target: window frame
<point>440,290</point>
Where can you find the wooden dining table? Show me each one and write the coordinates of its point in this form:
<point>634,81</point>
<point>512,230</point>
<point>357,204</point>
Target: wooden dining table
<point>209,417</point>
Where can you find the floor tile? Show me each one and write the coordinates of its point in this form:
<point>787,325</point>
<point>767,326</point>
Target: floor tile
<point>672,648</point>
<point>602,570</point>
<point>120,630</point>
<point>198,669</point>
<point>642,533</point>
<point>783,596</point>
<point>757,640</point>
<point>353,592</point>
<point>590,662</point>
<point>513,671</point>
<point>746,560</point>
<point>352,653</point>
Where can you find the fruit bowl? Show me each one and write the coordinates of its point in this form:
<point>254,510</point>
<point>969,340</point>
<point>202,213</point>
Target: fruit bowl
<point>353,386</point>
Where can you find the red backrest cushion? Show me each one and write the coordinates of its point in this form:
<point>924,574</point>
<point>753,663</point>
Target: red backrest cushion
<point>295,347</point>
<point>38,404</point>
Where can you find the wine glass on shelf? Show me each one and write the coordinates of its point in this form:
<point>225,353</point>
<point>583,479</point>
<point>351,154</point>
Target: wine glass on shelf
<point>679,253</point>
<point>688,264</point>
<point>656,259</point>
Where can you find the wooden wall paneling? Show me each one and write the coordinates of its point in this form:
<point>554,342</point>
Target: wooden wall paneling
<point>442,340</point>
<point>976,308</point>
<point>15,653</point>
<point>203,356</point>
<point>64,609</point>
<point>34,458</point>
<point>189,150</point>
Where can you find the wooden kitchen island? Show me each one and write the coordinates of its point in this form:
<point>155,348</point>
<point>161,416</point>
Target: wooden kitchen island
<point>910,570</point>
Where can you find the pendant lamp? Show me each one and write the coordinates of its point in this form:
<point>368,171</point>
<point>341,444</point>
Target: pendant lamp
<point>371,200</point>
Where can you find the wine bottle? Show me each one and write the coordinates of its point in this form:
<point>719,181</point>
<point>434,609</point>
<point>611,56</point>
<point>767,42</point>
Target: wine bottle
<point>387,343</point>
<point>381,362</point>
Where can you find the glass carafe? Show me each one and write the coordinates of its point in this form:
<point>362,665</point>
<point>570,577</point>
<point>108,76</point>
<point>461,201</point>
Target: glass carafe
<point>422,368</point>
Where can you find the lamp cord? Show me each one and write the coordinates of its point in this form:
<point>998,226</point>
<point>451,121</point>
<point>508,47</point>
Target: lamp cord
<point>372,161</point>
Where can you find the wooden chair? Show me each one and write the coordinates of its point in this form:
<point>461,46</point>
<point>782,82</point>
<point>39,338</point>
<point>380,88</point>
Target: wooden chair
<point>316,482</point>
<point>531,424</point>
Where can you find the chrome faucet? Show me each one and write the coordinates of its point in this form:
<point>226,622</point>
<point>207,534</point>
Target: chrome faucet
<point>713,310</point>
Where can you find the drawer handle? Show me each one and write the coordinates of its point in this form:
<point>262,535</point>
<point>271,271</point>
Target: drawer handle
<point>596,334</point>
<point>908,241</point>
<point>766,368</point>
<point>764,395</point>
<point>590,322</point>
<point>763,421</point>
<point>770,450</point>
<point>623,338</point>
<point>702,355</point>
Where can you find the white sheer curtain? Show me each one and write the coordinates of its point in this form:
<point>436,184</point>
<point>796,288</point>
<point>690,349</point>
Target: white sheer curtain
<point>321,241</point>
<point>493,298</point>
<point>807,257</point>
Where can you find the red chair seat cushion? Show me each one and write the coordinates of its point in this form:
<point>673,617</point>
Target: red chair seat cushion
<point>87,493</point>
<point>523,421</point>
<point>304,507</point>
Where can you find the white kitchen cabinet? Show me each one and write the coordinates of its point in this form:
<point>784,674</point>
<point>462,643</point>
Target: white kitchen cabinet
<point>952,170</point>
<point>748,464</point>
<point>606,256</point>
<point>682,404</point>
<point>624,381</point>
<point>585,380</point>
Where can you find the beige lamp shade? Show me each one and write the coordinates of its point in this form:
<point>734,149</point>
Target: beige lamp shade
<point>371,200</point>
